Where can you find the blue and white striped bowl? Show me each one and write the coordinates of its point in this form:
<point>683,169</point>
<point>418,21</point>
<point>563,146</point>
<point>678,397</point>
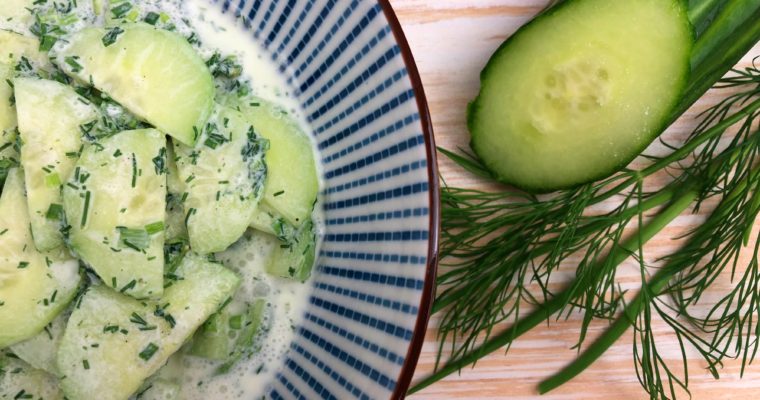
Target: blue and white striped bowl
<point>351,69</point>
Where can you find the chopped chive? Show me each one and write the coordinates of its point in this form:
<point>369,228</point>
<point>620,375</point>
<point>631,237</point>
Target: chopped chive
<point>236,322</point>
<point>148,352</point>
<point>151,18</point>
<point>86,208</point>
<point>280,193</point>
<point>134,170</point>
<point>136,239</point>
<point>111,36</point>
<point>128,286</point>
<point>74,64</point>
<point>23,264</point>
<point>154,228</point>
<point>121,10</point>
<point>86,364</point>
<point>54,212</point>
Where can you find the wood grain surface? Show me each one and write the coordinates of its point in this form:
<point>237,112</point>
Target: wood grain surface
<point>451,41</point>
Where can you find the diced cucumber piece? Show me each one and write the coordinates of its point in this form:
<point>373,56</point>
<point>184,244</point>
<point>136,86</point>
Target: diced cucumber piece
<point>115,203</point>
<point>212,341</point>
<point>224,176</point>
<point>579,92</point>
<point>175,212</point>
<point>135,339</point>
<point>292,182</point>
<point>19,380</point>
<point>249,325</point>
<point>49,117</point>
<point>294,257</point>
<point>229,336</point>
<point>40,350</point>
<point>154,73</point>
<point>34,287</point>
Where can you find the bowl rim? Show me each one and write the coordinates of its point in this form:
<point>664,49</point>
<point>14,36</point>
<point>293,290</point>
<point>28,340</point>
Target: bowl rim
<point>428,291</point>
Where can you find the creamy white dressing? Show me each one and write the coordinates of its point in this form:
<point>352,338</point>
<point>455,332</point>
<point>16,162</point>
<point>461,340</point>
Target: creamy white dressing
<point>287,299</point>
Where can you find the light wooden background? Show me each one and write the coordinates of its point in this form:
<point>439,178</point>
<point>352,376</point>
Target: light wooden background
<point>452,40</point>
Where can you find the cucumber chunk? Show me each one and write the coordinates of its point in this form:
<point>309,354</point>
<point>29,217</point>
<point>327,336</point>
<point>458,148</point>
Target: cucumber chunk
<point>224,176</point>
<point>154,73</point>
<point>579,92</point>
<point>34,287</point>
<point>115,203</point>
<point>14,46</point>
<point>39,351</point>
<point>292,183</point>
<point>19,380</point>
<point>135,339</point>
<point>228,336</point>
<point>49,117</point>
<point>8,155</point>
<point>294,257</point>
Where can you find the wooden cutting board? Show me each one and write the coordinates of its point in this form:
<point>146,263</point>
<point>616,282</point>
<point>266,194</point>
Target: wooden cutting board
<point>451,41</point>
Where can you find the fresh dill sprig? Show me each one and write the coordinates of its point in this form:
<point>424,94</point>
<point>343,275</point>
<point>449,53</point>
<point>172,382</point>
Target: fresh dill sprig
<point>503,244</point>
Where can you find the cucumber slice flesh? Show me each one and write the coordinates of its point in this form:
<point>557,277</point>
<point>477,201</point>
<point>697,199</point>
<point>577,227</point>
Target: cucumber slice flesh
<point>115,203</point>
<point>294,257</point>
<point>34,287</point>
<point>122,361</point>
<point>15,15</point>
<point>39,351</point>
<point>19,380</point>
<point>9,157</point>
<point>224,176</point>
<point>577,93</point>
<point>154,73</point>
<point>49,116</point>
<point>292,183</point>
<point>14,46</point>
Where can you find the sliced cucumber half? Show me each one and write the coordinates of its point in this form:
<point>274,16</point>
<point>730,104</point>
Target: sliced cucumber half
<point>292,184</point>
<point>115,204</point>
<point>137,338</point>
<point>154,73</point>
<point>19,380</point>
<point>49,118</point>
<point>34,287</point>
<point>577,93</point>
<point>224,177</point>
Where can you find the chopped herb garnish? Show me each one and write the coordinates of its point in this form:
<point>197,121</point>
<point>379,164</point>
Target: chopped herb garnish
<point>280,193</point>
<point>151,18</point>
<point>135,239</point>
<point>111,36</point>
<point>121,10</point>
<point>86,208</point>
<point>86,364</point>
<point>236,322</point>
<point>54,212</point>
<point>117,153</point>
<point>148,352</point>
<point>134,170</point>
<point>128,286</point>
<point>154,228</point>
<point>159,162</point>
<point>74,64</point>
<point>23,264</point>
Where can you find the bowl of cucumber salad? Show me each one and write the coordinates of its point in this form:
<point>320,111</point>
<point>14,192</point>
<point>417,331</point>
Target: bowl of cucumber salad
<point>207,199</point>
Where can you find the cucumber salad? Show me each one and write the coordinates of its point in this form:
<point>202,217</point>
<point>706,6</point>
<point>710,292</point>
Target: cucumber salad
<point>159,213</point>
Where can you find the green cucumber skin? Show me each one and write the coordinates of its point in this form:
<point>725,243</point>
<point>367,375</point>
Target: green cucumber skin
<point>473,107</point>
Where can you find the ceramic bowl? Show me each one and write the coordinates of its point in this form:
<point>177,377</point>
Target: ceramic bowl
<point>348,64</point>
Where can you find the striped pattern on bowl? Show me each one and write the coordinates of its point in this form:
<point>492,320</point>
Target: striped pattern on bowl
<point>350,68</point>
